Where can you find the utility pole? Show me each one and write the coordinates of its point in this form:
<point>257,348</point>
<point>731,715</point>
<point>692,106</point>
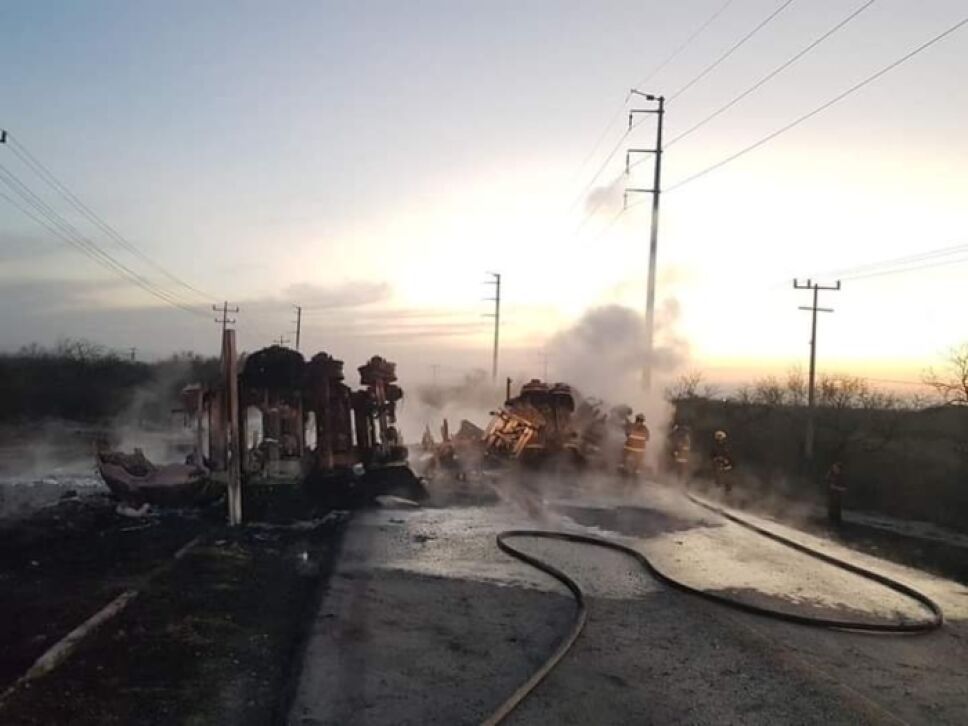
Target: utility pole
<point>655,191</point>
<point>497,318</point>
<point>225,320</point>
<point>281,340</point>
<point>133,352</point>
<point>298,323</point>
<point>811,397</point>
<point>434,367</point>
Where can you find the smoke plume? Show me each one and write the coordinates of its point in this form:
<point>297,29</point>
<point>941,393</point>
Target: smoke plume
<point>603,354</point>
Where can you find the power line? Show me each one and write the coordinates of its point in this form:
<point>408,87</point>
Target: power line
<point>856,87</point>
<point>61,228</point>
<point>772,74</point>
<point>44,173</point>
<point>611,154</point>
<point>736,46</point>
<point>685,44</point>
<point>915,268</point>
<point>64,230</point>
<point>618,112</point>
<point>709,68</point>
<point>898,261</point>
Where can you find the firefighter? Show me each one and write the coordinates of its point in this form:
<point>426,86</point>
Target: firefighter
<point>680,444</point>
<point>722,462</point>
<point>636,437</point>
<point>835,492</point>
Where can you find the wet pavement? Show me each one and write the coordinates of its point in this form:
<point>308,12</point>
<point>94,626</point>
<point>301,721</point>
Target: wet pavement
<point>436,625</point>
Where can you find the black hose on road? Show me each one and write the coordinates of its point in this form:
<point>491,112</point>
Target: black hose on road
<point>924,626</point>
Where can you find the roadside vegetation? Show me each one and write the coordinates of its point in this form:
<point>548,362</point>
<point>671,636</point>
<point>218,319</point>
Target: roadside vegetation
<point>82,381</point>
<point>903,455</point>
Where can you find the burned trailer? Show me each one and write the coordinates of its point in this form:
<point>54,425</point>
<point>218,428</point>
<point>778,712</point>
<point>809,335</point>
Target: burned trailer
<point>300,424</point>
<point>272,430</point>
<point>374,410</point>
<point>330,414</point>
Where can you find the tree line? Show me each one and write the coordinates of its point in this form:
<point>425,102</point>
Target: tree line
<point>84,381</point>
<point>948,385</point>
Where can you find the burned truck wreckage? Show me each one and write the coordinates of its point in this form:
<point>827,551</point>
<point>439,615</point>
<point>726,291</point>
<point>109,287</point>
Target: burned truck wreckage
<point>276,419</point>
<point>544,426</point>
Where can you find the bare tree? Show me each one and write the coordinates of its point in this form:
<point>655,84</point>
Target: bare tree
<point>744,395</point>
<point>796,386</point>
<point>951,383</point>
<point>685,387</point>
<point>79,349</point>
<point>843,398</point>
<point>769,392</point>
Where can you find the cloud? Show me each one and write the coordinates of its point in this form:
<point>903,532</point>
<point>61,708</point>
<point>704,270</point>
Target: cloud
<point>343,295</point>
<point>20,296</point>
<point>19,247</point>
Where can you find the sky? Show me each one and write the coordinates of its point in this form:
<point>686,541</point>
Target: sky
<point>373,161</point>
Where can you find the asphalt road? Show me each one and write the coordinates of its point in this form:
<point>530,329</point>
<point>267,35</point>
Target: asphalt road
<point>426,621</point>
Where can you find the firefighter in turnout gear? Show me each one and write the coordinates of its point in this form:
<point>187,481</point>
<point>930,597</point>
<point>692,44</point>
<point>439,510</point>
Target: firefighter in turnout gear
<point>722,462</point>
<point>636,437</point>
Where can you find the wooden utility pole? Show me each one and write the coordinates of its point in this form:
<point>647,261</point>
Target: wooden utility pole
<point>656,192</point>
<point>811,390</point>
<point>497,318</point>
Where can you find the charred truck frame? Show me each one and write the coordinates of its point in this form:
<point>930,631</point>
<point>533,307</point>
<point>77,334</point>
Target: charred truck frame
<point>299,422</point>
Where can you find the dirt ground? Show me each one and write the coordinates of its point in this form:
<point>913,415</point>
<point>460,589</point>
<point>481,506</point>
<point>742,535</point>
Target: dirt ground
<point>211,638</point>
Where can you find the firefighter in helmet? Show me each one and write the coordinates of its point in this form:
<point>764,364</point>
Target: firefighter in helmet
<point>636,437</point>
<point>722,461</point>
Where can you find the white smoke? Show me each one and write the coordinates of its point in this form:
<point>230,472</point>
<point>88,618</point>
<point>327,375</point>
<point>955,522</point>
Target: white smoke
<point>604,353</point>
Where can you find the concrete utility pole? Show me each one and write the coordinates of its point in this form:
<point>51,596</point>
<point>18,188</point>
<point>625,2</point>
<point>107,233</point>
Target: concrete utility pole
<point>298,323</point>
<point>230,413</point>
<point>656,192</point>
<point>497,318</point>
<point>811,397</point>
<point>225,320</point>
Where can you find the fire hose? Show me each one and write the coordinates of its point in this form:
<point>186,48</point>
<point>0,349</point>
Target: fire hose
<point>923,626</point>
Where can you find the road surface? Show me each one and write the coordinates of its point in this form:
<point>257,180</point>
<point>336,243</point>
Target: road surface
<point>426,621</point>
